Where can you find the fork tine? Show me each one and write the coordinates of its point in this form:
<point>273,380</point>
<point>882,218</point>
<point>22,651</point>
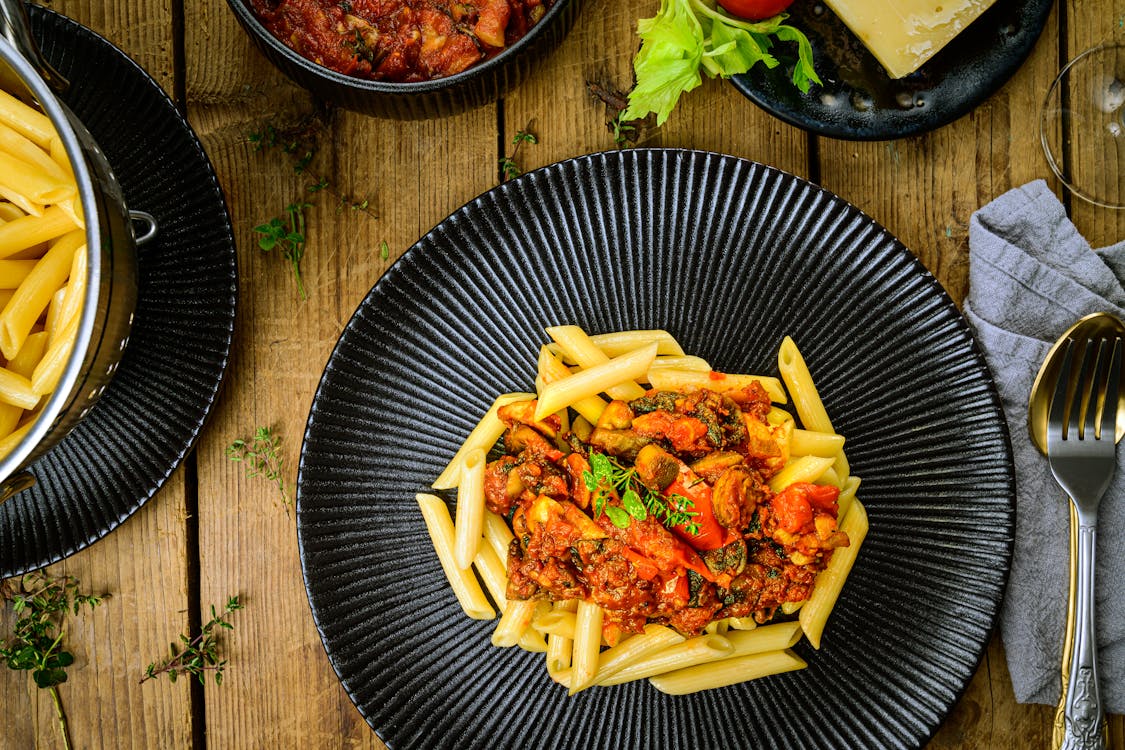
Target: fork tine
<point>1056,416</point>
<point>1086,409</point>
<point>1109,409</point>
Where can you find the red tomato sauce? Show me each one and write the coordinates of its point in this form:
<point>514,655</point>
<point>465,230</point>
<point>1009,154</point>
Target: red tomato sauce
<point>399,40</point>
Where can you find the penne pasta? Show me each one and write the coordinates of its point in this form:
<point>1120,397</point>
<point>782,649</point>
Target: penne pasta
<point>557,622</point>
<point>616,343</point>
<point>810,443</point>
<point>559,646</point>
<point>587,644</point>
<point>35,292</point>
<point>727,672</point>
<point>483,436</point>
<point>830,581</point>
<point>497,534</point>
<point>463,582</point>
<point>575,344</point>
<point>635,649</point>
<point>684,362</point>
<point>470,508</point>
<point>802,469</point>
<point>26,231</point>
<point>668,379</point>
<point>565,392</point>
<point>17,390</point>
<point>515,620</point>
<point>551,369</point>
<point>698,650</point>
<point>491,570</point>
<point>26,121</point>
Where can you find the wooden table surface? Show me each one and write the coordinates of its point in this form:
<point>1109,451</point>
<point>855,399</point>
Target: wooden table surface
<point>212,532</point>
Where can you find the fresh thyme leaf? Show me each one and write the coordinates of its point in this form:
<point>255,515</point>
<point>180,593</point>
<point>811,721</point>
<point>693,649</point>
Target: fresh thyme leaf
<point>384,250</point>
<point>200,654</point>
<point>509,167</point>
<point>262,456</point>
<point>606,475</point>
<point>41,603</point>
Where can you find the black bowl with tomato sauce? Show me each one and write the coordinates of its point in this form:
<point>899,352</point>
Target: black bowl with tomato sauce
<point>477,85</point>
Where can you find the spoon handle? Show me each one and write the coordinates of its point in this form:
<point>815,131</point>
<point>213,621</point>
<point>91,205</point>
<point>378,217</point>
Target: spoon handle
<point>1083,719</point>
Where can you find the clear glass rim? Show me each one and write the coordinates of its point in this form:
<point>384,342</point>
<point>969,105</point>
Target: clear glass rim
<point>1052,162</point>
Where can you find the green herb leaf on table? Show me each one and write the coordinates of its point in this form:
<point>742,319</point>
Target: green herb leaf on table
<point>686,37</point>
<point>41,603</point>
<point>262,455</point>
<point>199,655</point>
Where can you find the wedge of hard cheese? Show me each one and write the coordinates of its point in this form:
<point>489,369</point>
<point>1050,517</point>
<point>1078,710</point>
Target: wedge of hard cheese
<point>904,34</point>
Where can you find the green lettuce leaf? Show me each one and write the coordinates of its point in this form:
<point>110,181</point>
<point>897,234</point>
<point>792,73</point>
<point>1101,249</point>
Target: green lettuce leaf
<point>689,37</point>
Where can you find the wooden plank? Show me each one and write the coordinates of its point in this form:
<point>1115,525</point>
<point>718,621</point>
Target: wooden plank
<point>1093,155</point>
<point>570,120</point>
<point>280,690</point>
<point>142,563</point>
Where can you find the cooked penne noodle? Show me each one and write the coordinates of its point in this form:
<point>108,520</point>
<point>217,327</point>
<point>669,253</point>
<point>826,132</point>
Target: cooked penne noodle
<point>33,295</point>
<point>742,623</point>
<point>847,496</point>
<point>13,272</point>
<point>575,344</point>
<point>463,582</point>
<point>13,438</point>
<point>633,650</point>
<point>587,643</point>
<point>27,151</point>
<point>16,390</point>
<point>515,620</point>
<point>716,627</point>
<point>26,121</point>
<point>777,417</point>
<point>49,370</point>
<point>830,581</point>
<point>806,398</point>
<point>668,379</point>
<point>491,570</point>
<point>75,287</point>
<point>497,534</point>
<point>811,443</point>
<point>726,672</point>
<point>483,436</point>
<point>10,212</point>
<point>29,355</point>
<point>563,393</point>
<point>616,343</point>
<point>684,362</point>
<point>802,469</point>
<point>470,508</point>
<point>9,419</point>
<point>35,184</point>
<point>773,637</point>
<point>559,647</point>
<point>533,642</point>
<point>830,477</point>
<point>54,308</point>
<point>698,650</point>
<point>26,231</point>
<point>551,369</point>
<point>789,608</point>
<point>557,622</point>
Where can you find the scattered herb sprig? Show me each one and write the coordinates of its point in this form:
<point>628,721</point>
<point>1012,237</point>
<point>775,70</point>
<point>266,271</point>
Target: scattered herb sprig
<point>262,456</point>
<point>509,167</point>
<point>41,603</point>
<point>288,236</point>
<point>287,233</point>
<point>608,477</point>
<point>689,37</point>
<point>199,655</point>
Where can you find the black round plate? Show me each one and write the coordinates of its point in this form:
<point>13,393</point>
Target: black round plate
<point>859,101</point>
<point>729,256</point>
<point>143,426</point>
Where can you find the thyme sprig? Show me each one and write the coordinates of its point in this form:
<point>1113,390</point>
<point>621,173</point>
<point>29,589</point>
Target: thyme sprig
<point>288,236</point>
<point>509,167</point>
<point>607,477</point>
<point>199,655</point>
<point>262,456</point>
<point>41,603</point>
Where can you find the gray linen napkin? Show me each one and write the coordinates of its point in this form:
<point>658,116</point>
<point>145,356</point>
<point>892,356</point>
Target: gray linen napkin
<point>1031,276</point>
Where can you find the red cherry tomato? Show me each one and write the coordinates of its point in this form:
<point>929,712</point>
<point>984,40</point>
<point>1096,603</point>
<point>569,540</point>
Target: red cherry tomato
<point>755,10</point>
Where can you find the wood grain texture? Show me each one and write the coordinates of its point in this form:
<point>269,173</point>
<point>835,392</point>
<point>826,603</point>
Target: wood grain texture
<point>142,564</point>
<point>280,690</point>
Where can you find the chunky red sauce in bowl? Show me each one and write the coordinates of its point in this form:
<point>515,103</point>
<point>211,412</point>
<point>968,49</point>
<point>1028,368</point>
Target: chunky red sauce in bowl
<point>406,58</point>
<point>399,40</point>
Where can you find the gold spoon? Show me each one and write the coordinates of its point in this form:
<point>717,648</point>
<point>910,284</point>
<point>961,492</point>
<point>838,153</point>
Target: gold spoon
<point>1095,326</point>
